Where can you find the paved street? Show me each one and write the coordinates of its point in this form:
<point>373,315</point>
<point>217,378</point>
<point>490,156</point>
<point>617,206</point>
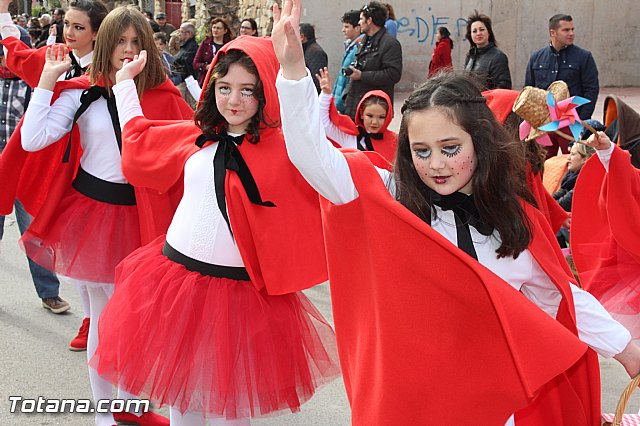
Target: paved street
<point>34,360</point>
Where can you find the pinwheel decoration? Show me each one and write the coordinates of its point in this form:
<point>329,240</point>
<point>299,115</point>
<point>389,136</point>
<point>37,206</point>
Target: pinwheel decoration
<point>564,114</point>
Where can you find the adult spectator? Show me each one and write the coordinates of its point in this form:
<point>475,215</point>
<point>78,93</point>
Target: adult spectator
<point>163,25</point>
<point>488,63</point>
<point>315,57</point>
<point>441,57</point>
<point>563,60</point>
<point>391,25</point>
<point>154,25</point>
<point>14,94</point>
<point>183,60</point>
<point>160,39</point>
<point>249,26</point>
<point>378,61</point>
<point>352,39</point>
<point>45,24</point>
<point>57,19</point>
<point>220,34</point>
<point>21,21</point>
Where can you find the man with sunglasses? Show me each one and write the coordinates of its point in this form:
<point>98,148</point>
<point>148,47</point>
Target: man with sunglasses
<point>378,63</point>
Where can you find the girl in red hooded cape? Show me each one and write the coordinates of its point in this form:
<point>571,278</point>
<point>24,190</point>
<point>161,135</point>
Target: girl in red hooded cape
<point>210,319</point>
<point>434,295</point>
<point>370,131</point>
<point>86,212</point>
<point>83,19</point>
<point>605,237</point>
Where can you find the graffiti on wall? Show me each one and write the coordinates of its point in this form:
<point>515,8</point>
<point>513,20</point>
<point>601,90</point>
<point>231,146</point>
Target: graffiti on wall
<point>422,26</point>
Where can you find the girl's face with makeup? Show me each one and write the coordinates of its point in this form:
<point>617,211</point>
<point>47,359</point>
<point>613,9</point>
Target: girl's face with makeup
<point>442,151</point>
<point>235,98</point>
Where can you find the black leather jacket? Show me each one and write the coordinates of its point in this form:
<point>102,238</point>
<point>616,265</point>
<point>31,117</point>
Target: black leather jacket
<point>490,65</point>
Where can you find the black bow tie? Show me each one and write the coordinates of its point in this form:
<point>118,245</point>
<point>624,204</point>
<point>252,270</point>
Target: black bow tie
<point>466,214</point>
<point>228,157</point>
<point>88,97</point>
<point>76,70</point>
<point>364,136</point>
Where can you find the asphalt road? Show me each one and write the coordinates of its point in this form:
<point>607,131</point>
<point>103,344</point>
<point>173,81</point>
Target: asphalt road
<point>35,361</point>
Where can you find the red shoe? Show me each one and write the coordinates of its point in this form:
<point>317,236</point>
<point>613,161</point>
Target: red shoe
<point>146,419</point>
<point>79,343</point>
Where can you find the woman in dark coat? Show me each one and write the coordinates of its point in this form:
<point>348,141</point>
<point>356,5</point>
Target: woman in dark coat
<point>485,60</point>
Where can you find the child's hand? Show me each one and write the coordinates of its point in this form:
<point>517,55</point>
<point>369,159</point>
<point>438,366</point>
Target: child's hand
<point>286,39</point>
<point>57,60</point>
<point>630,359</point>
<point>325,80</point>
<point>600,141</point>
<point>130,69</point>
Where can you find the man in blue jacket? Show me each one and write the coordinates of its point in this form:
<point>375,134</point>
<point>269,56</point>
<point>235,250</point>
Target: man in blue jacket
<point>563,60</point>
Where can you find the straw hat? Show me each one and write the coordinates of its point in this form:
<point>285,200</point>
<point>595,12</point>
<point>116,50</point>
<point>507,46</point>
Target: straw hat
<point>531,105</point>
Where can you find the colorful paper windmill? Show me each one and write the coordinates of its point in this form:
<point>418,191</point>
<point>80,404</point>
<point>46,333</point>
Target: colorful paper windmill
<point>564,114</point>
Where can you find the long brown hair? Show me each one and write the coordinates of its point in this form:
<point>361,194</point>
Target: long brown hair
<point>497,182</point>
<point>207,115</point>
<point>114,24</point>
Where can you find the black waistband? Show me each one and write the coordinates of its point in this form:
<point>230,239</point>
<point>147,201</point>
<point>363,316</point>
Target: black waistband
<point>100,190</point>
<point>230,272</point>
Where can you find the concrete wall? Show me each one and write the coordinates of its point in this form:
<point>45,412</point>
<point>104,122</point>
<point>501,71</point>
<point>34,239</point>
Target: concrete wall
<point>608,29</point>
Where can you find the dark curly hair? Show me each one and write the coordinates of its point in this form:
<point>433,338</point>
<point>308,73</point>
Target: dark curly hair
<point>480,17</point>
<point>497,182</point>
<point>209,119</point>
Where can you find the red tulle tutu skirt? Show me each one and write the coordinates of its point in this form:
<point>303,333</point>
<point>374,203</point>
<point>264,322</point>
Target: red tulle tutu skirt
<point>210,345</point>
<point>87,238</point>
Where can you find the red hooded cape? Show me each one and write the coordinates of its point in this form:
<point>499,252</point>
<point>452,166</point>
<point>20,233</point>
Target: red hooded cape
<point>501,101</point>
<point>24,61</point>
<point>389,142</point>
<point>605,237</point>
<point>428,335</point>
<point>281,246</point>
<point>39,179</point>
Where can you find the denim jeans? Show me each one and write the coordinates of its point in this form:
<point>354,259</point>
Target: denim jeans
<point>46,282</point>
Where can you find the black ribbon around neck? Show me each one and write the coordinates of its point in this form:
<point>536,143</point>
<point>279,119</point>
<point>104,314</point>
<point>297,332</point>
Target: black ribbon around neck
<point>76,70</point>
<point>364,136</point>
<point>228,157</point>
<point>88,97</point>
<point>466,214</point>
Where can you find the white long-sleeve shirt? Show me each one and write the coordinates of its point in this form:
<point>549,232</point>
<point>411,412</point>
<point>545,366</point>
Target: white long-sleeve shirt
<point>326,169</point>
<point>198,229</point>
<point>332,131</point>
<point>44,124</point>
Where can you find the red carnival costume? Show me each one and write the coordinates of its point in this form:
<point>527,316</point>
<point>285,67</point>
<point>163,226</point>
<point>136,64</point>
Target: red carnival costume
<point>605,237</point>
<point>216,345</point>
<point>42,179</point>
<point>387,142</point>
<point>412,313</point>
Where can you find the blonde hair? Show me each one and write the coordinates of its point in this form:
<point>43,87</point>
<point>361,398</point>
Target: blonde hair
<point>585,151</point>
<point>115,23</point>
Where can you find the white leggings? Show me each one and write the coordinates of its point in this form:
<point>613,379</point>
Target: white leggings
<point>81,286</point>
<point>197,419</point>
<point>99,295</point>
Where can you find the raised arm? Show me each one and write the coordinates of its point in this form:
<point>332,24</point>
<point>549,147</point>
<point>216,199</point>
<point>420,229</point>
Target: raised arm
<point>332,131</point>
<point>46,123</point>
<point>321,164</point>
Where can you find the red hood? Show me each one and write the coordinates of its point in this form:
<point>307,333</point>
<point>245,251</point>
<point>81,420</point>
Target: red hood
<point>380,94</point>
<point>260,50</point>
<point>500,101</point>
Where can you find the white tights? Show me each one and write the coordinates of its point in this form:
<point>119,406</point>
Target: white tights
<point>99,295</point>
<point>81,286</point>
<point>197,419</point>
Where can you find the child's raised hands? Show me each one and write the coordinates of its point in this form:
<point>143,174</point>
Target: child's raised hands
<point>325,80</point>
<point>599,141</point>
<point>286,39</point>
<point>130,69</point>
